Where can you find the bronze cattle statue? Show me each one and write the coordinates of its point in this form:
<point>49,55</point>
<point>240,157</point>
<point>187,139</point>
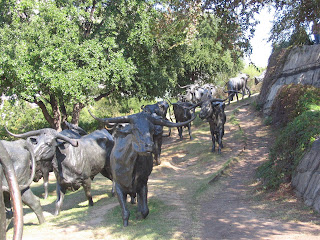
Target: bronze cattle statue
<point>159,108</point>
<point>182,113</point>
<point>7,169</point>
<point>212,110</point>
<point>22,156</point>
<point>131,157</point>
<point>45,167</point>
<point>237,84</point>
<point>75,161</point>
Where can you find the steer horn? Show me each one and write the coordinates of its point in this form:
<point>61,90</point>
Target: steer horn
<point>24,135</point>
<point>73,142</point>
<point>40,131</point>
<point>167,123</point>
<point>185,86</point>
<point>124,119</point>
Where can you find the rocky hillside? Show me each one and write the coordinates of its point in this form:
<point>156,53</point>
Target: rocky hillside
<point>299,65</point>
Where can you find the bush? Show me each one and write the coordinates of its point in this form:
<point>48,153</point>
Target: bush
<point>295,138</point>
<point>20,117</point>
<point>291,101</point>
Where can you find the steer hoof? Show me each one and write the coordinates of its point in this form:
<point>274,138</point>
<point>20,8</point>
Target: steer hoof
<point>125,223</point>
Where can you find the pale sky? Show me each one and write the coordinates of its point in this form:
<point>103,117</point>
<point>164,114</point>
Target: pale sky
<point>261,48</point>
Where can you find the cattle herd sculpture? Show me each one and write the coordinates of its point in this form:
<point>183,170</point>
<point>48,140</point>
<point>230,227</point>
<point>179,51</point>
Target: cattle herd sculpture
<point>125,155</point>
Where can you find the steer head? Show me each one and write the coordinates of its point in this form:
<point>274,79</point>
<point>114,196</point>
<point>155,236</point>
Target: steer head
<point>208,108</point>
<point>160,108</point>
<point>141,126</point>
<point>44,142</point>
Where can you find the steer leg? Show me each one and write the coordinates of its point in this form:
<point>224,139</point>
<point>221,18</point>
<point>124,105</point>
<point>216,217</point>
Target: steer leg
<point>122,198</point>
<point>33,202</point>
<point>143,201</point>
<point>189,129</point>
<point>213,140</point>
<point>8,208</point>
<point>60,196</point>
<point>180,132</point>
<point>248,91</point>
<point>219,138</point>
<point>46,183</point>
<point>87,190</point>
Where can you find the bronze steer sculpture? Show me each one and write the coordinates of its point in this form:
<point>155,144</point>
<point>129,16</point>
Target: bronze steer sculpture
<point>45,167</point>
<point>159,108</point>
<point>22,157</point>
<point>75,161</point>
<point>212,110</point>
<point>237,84</point>
<point>7,169</point>
<point>182,113</point>
<point>131,157</point>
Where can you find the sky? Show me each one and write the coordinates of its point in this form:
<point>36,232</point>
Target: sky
<point>261,48</point>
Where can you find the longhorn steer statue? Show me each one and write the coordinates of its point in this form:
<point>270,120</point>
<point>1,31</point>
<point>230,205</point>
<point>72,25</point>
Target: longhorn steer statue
<point>23,160</point>
<point>45,167</point>
<point>259,79</point>
<point>213,111</point>
<point>159,108</point>
<point>236,84</point>
<point>75,161</point>
<point>182,113</point>
<point>131,157</point>
<point>7,169</point>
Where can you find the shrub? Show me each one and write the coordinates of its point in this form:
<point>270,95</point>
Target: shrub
<point>20,117</point>
<point>294,139</point>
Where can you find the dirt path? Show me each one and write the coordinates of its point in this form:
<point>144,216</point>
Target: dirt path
<point>231,213</point>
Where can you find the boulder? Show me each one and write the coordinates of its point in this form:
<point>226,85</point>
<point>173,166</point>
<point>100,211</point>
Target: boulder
<point>306,180</point>
<point>298,65</point>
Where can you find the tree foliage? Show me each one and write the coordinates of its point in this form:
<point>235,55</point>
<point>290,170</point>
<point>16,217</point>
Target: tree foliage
<point>62,55</point>
<point>292,21</point>
<point>51,54</point>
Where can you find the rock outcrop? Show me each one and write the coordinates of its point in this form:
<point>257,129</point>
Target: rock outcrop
<point>299,65</point>
<point>306,180</point>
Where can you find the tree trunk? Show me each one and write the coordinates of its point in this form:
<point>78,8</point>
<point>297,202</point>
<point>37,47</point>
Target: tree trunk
<point>76,113</point>
<point>56,114</point>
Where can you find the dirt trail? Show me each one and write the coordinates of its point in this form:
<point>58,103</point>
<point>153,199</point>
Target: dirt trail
<point>230,213</point>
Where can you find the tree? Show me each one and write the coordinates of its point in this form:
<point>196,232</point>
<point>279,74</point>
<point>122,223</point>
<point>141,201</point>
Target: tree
<point>206,57</point>
<point>63,55</point>
<point>292,21</point>
<point>55,54</point>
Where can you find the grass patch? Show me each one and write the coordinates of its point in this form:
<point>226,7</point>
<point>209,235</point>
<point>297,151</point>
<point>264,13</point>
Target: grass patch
<point>155,226</point>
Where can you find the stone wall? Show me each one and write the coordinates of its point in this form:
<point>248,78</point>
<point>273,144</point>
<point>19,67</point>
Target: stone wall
<point>306,180</point>
<point>294,65</point>
<point>298,65</point>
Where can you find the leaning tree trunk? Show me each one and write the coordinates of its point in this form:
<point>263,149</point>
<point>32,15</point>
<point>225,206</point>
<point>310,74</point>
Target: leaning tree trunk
<point>55,120</point>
